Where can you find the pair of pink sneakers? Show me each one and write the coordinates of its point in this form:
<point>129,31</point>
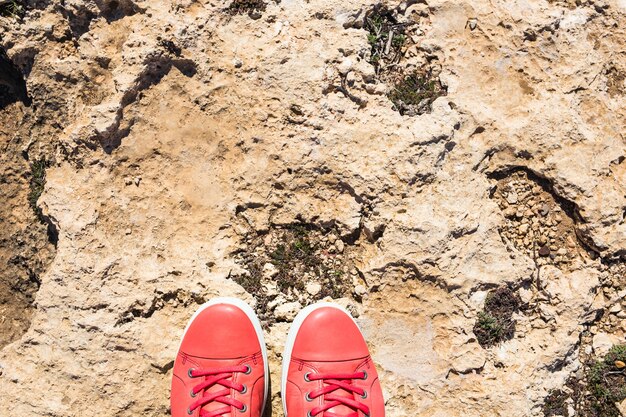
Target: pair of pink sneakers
<point>221,367</point>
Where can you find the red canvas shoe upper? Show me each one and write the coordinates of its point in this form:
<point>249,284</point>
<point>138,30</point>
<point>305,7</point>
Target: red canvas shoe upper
<point>219,369</point>
<point>330,372</point>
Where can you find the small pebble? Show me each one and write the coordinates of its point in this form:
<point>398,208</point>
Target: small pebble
<point>511,198</point>
<point>287,311</point>
<point>345,66</point>
<point>509,212</point>
<point>544,251</point>
<point>313,288</point>
<point>270,270</point>
<point>620,365</point>
<point>360,290</point>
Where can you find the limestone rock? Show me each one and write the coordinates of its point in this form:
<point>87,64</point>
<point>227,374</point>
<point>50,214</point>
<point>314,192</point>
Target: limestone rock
<point>206,135</point>
<point>313,288</point>
<point>270,270</point>
<point>622,408</point>
<point>287,311</point>
<point>602,343</point>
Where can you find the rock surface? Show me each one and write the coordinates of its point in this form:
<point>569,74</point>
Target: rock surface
<point>602,343</point>
<point>622,407</point>
<point>184,142</point>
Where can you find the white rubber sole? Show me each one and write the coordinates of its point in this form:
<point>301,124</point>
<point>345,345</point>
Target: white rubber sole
<point>243,306</point>
<point>291,339</point>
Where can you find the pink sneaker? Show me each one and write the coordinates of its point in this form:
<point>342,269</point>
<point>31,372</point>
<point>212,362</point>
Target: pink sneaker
<point>327,368</point>
<point>221,366</point>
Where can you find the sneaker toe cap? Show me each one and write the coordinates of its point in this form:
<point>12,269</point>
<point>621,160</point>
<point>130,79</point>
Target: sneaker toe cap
<point>329,334</point>
<point>221,331</point>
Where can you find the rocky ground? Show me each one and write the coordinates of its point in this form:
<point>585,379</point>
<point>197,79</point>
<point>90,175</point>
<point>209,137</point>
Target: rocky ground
<point>451,172</point>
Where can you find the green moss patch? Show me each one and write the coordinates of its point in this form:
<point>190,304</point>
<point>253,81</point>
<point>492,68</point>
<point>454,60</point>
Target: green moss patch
<point>253,8</point>
<point>495,323</point>
<point>386,37</point>
<point>12,8</point>
<point>607,384</point>
<point>37,184</point>
<point>603,384</point>
<point>415,93</point>
<point>412,91</point>
<point>555,404</point>
<point>280,265</point>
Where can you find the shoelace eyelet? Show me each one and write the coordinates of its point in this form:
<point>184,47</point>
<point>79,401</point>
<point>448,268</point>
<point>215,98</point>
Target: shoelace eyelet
<point>189,372</point>
<point>243,409</point>
<point>189,411</point>
<point>364,375</point>
<point>308,397</point>
<point>306,377</point>
<point>248,370</point>
<point>308,414</point>
<point>364,396</point>
<point>193,394</point>
<point>244,389</point>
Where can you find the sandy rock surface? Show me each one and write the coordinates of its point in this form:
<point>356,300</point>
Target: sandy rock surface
<point>186,144</point>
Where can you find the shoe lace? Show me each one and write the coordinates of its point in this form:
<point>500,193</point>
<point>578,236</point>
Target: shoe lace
<point>214,377</point>
<point>333,383</point>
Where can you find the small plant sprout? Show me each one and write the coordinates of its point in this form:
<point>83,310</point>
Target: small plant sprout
<point>495,324</point>
<point>386,37</point>
<point>250,7</point>
<point>12,8</point>
<point>415,92</point>
<point>37,183</point>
